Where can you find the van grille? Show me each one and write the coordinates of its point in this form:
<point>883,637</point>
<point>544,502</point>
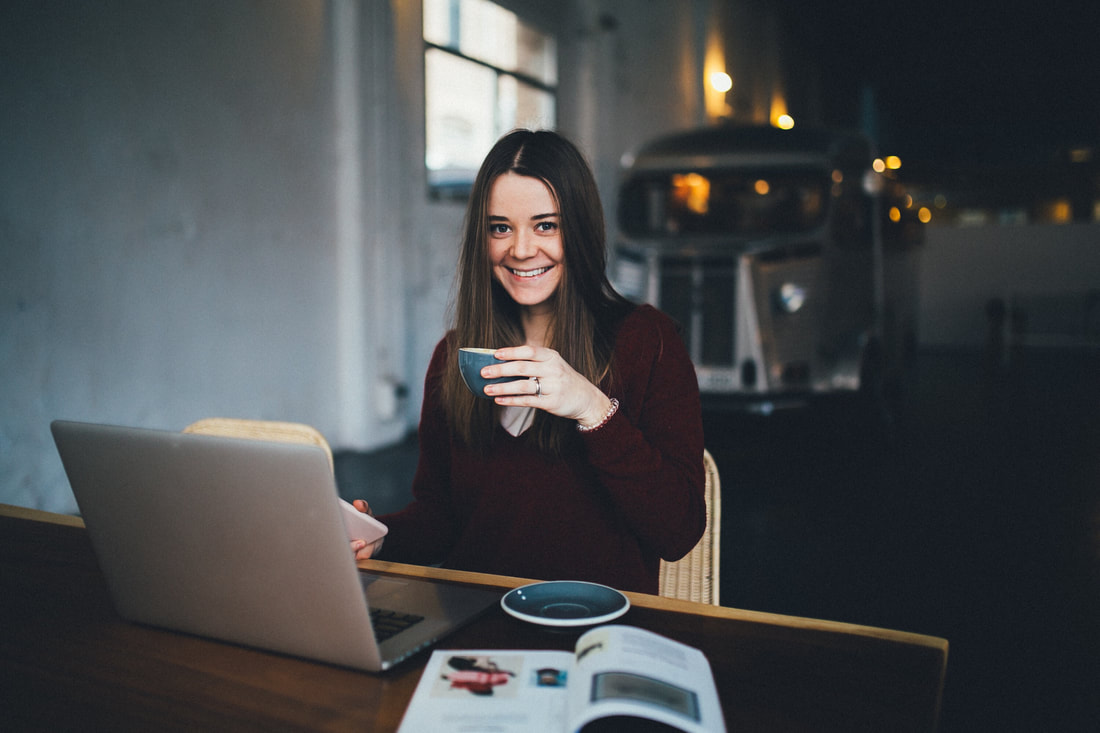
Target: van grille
<point>700,294</point>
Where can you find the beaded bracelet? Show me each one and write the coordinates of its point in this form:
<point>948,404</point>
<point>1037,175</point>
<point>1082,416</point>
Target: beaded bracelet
<point>610,411</point>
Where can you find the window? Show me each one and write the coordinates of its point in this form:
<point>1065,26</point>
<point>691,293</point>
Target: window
<point>485,73</point>
<point>724,201</point>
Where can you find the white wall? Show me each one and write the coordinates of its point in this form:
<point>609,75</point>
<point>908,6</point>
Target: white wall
<point>217,207</point>
<point>962,268</point>
<point>175,236</point>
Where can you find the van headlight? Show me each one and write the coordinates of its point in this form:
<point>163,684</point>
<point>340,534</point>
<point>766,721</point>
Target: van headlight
<point>790,297</point>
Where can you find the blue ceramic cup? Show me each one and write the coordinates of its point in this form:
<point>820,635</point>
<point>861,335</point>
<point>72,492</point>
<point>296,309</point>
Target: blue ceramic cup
<point>470,362</point>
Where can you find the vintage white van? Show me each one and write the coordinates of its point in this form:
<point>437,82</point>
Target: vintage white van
<point>786,259</point>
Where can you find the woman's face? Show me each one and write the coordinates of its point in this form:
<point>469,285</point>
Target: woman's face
<point>525,246</point>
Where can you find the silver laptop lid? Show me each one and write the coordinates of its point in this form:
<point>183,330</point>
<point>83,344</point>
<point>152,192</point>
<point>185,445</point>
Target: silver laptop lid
<point>238,540</point>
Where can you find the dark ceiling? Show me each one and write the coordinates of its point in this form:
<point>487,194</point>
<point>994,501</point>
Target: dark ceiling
<point>963,80</point>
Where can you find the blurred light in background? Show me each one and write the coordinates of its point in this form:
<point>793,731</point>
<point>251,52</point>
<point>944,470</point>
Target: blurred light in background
<point>1060,211</point>
<point>1080,155</point>
<point>716,82</point>
<point>779,116</point>
<point>692,191</point>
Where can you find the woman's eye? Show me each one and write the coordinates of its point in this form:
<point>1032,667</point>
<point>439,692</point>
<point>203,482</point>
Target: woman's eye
<point>498,228</point>
<point>546,226</point>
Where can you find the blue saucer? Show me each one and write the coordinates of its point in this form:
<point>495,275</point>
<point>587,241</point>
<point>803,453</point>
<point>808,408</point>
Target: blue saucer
<point>565,603</point>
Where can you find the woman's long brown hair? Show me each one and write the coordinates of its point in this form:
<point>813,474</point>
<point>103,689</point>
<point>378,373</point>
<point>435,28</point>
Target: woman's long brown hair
<point>587,308</point>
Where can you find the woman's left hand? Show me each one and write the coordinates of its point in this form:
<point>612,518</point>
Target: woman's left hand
<point>360,548</point>
<point>551,385</point>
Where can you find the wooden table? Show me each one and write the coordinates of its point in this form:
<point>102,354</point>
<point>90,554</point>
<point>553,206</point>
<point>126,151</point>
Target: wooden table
<point>68,662</point>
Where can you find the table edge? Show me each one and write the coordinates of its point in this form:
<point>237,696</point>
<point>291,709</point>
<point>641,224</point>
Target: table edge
<point>640,600</point>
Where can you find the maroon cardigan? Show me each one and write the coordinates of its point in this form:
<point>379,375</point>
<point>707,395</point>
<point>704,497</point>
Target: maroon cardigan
<point>624,497</point>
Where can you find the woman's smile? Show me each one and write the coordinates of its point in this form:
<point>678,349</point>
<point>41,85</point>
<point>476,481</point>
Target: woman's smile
<point>529,273</point>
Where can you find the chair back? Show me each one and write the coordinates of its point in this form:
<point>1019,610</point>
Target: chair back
<point>695,576</point>
<point>272,430</point>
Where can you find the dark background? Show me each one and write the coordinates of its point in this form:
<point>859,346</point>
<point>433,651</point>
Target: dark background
<point>961,82</point>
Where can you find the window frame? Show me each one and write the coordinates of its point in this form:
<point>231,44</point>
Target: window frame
<point>461,191</point>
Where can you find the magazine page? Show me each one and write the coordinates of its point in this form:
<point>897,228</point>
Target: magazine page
<point>499,691</point>
<point>627,671</point>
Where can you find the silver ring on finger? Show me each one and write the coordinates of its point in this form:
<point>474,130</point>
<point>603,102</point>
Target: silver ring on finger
<point>538,387</point>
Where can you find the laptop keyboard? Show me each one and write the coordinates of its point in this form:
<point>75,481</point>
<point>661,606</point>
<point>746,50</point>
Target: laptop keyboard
<point>387,623</point>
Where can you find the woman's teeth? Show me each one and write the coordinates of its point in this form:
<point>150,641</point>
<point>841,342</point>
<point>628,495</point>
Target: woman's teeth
<point>529,273</point>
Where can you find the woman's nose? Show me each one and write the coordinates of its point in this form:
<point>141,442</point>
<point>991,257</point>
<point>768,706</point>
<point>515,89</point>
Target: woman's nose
<point>524,246</point>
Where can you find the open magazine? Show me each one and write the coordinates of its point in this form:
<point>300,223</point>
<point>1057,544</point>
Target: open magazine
<point>614,672</point>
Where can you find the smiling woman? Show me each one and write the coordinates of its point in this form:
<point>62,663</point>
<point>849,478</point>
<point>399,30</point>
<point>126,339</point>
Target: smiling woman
<point>588,464</point>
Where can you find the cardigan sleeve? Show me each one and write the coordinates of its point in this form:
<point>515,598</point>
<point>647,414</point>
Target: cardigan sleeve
<point>649,455</point>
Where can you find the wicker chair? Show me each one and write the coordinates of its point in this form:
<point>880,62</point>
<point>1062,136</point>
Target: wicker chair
<point>277,432</point>
<point>695,576</point>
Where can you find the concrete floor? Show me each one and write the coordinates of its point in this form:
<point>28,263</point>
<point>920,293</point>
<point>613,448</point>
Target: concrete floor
<point>979,522</point>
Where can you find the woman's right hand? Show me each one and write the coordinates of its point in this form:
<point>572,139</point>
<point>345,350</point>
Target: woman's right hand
<point>361,548</point>
<point>552,385</point>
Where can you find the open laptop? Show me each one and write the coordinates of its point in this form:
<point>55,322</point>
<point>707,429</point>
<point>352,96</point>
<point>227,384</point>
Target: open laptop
<point>243,541</point>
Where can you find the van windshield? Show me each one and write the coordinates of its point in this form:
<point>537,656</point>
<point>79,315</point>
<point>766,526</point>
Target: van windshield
<point>724,202</point>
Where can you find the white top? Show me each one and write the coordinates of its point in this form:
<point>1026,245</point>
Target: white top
<point>517,419</point>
